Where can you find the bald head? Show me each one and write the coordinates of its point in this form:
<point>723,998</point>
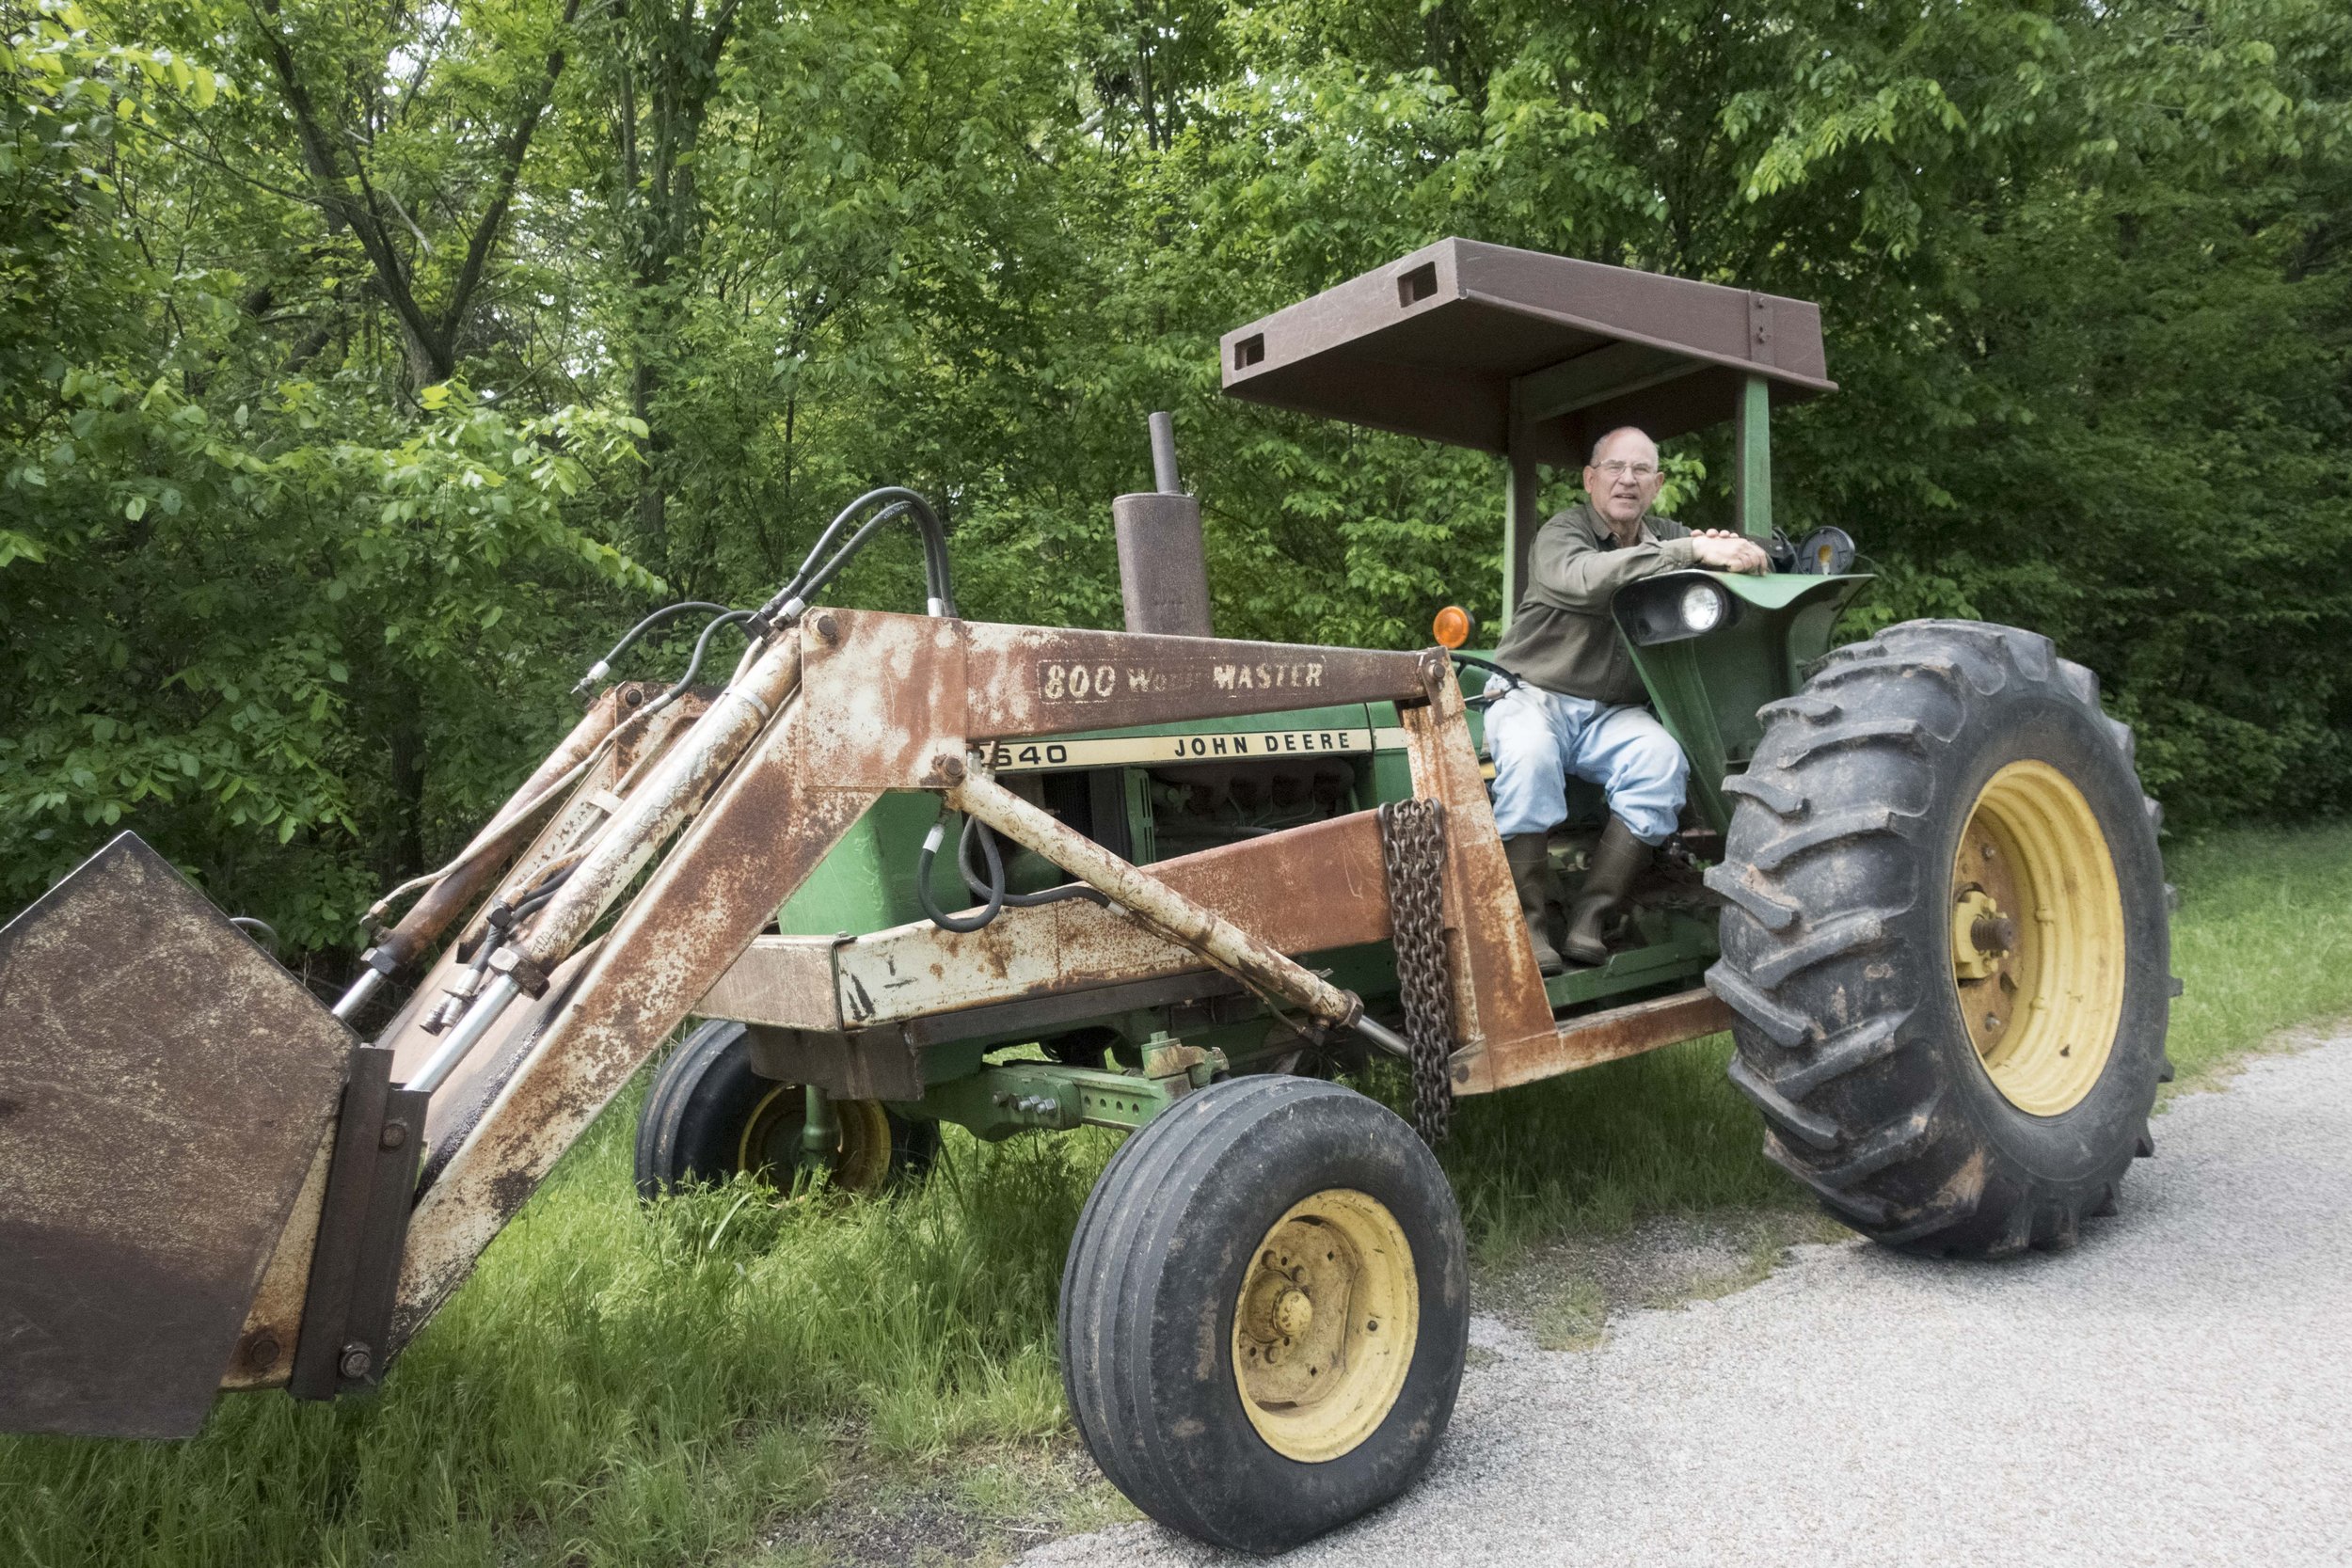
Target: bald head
<point>1623,479</point>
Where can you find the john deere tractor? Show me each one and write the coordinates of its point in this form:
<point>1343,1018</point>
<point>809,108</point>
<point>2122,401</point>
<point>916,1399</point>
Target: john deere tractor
<point>891,853</point>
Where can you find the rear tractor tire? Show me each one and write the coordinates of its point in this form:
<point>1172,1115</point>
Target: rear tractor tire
<point>1264,1312</point>
<point>1946,941</point>
<point>708,1118</point>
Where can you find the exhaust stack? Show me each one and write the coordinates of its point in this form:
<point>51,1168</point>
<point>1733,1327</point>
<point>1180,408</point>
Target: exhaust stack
<point>1163,567</point>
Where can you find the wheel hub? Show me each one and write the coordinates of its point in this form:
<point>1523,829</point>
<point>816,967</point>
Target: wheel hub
<point>783,1144</point>
<point>1323,1327</point>
<point>2037,938</point>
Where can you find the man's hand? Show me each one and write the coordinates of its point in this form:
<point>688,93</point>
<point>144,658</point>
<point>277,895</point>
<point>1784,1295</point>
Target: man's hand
<point>1726,551</point>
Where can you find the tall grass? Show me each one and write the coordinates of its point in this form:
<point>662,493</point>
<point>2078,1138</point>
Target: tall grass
<point>624,1386</point>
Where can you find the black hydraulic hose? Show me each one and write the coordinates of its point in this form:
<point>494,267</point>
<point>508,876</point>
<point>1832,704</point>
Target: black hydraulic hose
<point>940,917</point>
<point>604,666</point>
<point>809,585</point>
<point>537,897</point>
<point>974,828</point>
<point>938,583</point>
<point>702,646</point>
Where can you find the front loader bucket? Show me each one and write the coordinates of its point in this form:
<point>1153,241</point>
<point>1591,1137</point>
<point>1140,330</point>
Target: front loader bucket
<point>165,1086</point>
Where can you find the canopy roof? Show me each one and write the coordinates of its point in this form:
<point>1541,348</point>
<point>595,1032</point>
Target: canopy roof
<point>1504,350</point>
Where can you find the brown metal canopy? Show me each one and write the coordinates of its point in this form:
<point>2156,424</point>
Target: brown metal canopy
<point>1462,342</point>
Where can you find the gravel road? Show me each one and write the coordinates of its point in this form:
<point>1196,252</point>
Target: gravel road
<point>2176,1390</point>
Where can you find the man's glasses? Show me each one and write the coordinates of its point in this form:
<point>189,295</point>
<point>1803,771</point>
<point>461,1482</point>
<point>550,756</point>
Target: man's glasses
<point>1618,467</point>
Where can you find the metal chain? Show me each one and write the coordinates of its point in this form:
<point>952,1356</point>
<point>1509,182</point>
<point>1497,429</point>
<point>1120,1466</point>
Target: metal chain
<point>1412,844</point>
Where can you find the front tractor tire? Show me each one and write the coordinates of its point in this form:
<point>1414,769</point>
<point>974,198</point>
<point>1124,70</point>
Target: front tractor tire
<point>1945,941</point>
<point>1266,1311</point>
<point>708,1118</point>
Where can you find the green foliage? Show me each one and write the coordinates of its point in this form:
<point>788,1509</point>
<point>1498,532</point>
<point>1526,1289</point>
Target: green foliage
<point>280,593</point>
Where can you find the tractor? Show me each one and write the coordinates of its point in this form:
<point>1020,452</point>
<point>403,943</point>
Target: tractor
<point>909,869</point>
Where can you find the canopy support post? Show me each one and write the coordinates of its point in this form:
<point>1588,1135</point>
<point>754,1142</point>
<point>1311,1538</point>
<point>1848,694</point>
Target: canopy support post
<point>1520,523</point>
<point>1753,481</point>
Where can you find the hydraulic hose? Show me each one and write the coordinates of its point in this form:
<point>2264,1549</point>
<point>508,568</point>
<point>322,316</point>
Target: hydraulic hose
<point>603,667</point>
<point>896,501</point>
<point>974,827</point>
<point>702,646</point>
<point>995,886</point>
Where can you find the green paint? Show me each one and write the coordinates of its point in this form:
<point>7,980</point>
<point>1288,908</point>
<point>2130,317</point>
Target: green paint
<point>866,882</point>
<point>1521,517</point>
<point>1018,1097</point>
<point>1707,689</point>
<point>1755,481</point>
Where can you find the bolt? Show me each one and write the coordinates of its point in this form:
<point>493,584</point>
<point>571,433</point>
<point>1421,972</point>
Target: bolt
<point>950,768</point>
<point>828,629</point>
<point>357,1359</point>
<point>261,1354</point>
<point>632,696</point>
<point>1993,934</point>
<point>394,1135</point>
<point>1986,851</point>
<point>1992,1021</point>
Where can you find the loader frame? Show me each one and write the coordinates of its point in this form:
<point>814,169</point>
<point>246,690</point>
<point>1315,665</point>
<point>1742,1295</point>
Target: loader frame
<point>888,702</point>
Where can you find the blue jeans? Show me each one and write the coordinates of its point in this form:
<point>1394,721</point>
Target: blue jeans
<point>1538,737</point>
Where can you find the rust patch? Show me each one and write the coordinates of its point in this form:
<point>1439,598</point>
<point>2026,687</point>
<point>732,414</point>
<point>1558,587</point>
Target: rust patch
<point>1592,1038</point>
<point>1299,891</point>
<point>1038,680</point>
<point>275,1316</point>
<point>495,843</point>
<point>1498,1000</point>
<point>760,834</point>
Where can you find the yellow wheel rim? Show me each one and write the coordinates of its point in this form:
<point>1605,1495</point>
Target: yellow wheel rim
<point>2038,938</point>
<point>1325,1325</point>
<point>770,1147</point>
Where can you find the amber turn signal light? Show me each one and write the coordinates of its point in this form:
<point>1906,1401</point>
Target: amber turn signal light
<point>1453,627</point>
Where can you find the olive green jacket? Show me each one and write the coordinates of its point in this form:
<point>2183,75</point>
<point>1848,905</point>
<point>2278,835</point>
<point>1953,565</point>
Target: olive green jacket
<point>1561,637</point>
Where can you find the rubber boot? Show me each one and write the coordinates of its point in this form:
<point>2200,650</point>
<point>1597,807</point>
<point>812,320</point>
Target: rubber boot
<point>1618,858</point>
<point>1529,855</point>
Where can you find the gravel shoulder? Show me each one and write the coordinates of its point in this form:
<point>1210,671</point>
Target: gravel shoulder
<point>2175,1390</point>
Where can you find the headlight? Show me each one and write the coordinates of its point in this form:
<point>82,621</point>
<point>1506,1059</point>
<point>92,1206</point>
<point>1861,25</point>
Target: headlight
<point>1702,608</point>
<point>1673,607</point>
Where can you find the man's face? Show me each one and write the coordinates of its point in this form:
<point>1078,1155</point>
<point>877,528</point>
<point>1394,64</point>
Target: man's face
<point>1624,478</point>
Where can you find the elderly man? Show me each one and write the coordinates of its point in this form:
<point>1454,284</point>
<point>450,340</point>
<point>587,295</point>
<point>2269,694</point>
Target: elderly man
<point>1579,707</point>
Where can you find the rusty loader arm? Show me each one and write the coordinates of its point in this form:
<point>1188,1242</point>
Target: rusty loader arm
<point>282,1246</point>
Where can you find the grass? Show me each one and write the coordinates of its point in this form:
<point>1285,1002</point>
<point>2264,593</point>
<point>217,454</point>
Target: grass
<point>2263,942</point>
<point>715,1381</point>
